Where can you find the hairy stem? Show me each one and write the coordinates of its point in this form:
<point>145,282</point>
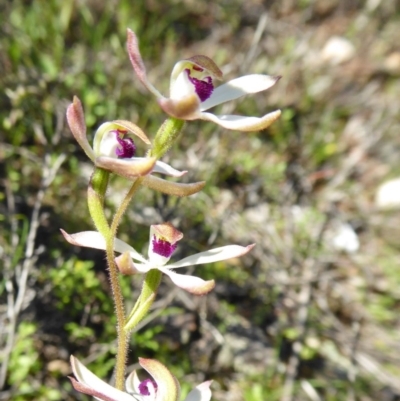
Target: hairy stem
<point>123,335</point>
<point>96,192</point>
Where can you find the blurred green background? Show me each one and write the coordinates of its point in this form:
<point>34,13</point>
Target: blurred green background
<point>313,312</point>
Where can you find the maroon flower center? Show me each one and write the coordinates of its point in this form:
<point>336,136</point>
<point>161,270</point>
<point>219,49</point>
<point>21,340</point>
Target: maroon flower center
<point>144,386</point>
<point>162,247</point>
<point>127,147</point>
<point>204,88</point>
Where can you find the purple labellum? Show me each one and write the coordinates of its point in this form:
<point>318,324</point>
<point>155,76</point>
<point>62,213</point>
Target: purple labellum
<point>144,386</point>
<point>127,149</point>
<point>163,248</point>
<point>203,89</point>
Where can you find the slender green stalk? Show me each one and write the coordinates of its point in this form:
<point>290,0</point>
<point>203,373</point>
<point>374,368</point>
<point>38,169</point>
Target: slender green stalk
<point>122,341</point>
<point>96,192</point>
<point>166,136</point>
<point>145,300</point>
<point>125,203</point>
<point>123,335</point>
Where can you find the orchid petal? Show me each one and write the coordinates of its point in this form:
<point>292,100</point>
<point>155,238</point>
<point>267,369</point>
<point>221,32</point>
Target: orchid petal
<point>137,63</point>
<point>129,168</point>
<point>132,383</point>
<point>180,84</point>
<point>133,129</point>
<point>93,239</point>
<point>163,240</point>
<point>116,125</point>
<point>239,87</point>
<point>204,62</point>
<point>89,383</point>
<point>213,255</point>
<point>168,388</point>
<point>164,168</point>
<point>240,123</point>
<point>127,266</point>
<point>194,285</point>
<point>172,188</point>
<point>76,122</point>
<point>201,392</point>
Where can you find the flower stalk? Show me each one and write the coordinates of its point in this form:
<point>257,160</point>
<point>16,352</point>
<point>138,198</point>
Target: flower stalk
<point>96,192</point>
<point>166,136</point>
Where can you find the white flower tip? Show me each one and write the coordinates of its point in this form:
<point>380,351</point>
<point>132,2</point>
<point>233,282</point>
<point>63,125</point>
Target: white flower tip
<point>164,168</point>
<point>250,247</point>
<point>244,250</point>
<point>202,392</point>
<point>182,173</point>
<point>268,119</point>
<point>72,359</point>
<point>202,290</point>
<point>192,284</point>
<point>205,386</point>
<point>71,240</point>
<point>77,368</point>
<point>240,123</point>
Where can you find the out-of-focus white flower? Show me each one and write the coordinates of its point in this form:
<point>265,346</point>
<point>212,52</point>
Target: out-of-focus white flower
<point>345,239</point>
<point>337,50</point>
<point>388,195</point>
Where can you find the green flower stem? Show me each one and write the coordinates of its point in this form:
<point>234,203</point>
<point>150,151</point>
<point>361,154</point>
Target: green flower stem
<point>123,335</point>
<point>122,340</point>
<point>166,136</point>
<point>125,203</point>
<point>145,300</point>
<point>96,193</point>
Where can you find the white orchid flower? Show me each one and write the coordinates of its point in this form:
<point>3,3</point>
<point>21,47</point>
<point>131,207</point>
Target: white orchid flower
<point>114,150</point>
<point>162,244</point>
<point>192,90</point>
<point>163,387</point>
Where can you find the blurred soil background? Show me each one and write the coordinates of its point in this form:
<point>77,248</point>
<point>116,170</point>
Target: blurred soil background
<point>313,312</point>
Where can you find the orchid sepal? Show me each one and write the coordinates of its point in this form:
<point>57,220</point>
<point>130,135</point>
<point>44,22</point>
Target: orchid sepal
<point>132,168</point>
<point>76,122</point>
<point>168,388</point>
<point>88,383</point>
<point>172,188</point>
<point>240,123</point>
